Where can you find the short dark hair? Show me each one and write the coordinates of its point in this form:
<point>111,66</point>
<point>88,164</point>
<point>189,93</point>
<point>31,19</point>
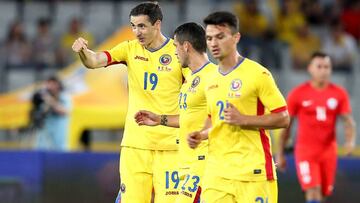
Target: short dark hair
<point>319,54</point>
<point>194,34</point>
<point>150,9</point>
<point>223,18</point>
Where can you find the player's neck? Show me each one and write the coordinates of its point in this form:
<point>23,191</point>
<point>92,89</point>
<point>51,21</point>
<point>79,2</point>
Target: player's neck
<point>197,61</point>
<point>229,62</point>
<point>157,42</point>
<point>319,85</point>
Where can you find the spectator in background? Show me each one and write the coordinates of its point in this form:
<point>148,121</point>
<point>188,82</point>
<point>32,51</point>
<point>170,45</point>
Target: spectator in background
<point>252,22</point>
<point>75,31</point>
<point>17,47</point>
<point>43,48</point>
<point>15,53</point>
<point>55,106</point>
<point>341,47</point>
<point>288,20</point>
<point>351,19</point>
<point>253,25</point>
<point>314,12</point>
<point>333,9</point>
<point>303,44</point>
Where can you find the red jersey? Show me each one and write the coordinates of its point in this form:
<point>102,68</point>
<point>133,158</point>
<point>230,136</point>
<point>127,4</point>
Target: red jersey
<point>317,111</point>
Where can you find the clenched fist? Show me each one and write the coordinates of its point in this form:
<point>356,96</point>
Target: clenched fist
<point>79,44</point>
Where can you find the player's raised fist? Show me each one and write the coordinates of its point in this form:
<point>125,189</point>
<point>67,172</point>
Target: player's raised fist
<point>79,44</point>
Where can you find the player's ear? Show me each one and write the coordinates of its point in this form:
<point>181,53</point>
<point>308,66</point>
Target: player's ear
<point>157,24</point>
<point>186,45</point>
<point>237,36</point>
<point>309,65</point>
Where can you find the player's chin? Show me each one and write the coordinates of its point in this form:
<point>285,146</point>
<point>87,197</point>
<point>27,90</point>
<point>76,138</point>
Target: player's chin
<point>216,55</point>
<point>142,41</point>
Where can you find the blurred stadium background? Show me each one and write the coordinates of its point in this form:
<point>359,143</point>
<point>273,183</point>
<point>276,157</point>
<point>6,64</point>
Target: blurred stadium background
<point>35,42</point>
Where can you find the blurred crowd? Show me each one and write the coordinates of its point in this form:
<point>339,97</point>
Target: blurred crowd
<point>267,27</point>
<point>44,51</point>
<point>304,26</point>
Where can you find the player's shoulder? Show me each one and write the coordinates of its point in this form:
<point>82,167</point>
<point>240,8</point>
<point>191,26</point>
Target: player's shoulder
<point>207,68</point>
<point>301,88</point>
<point>210,68</point>
<point>132,43</point>
<point>127,44</point>
<point>203,72</point>
<point>169,43</point>
<point>338,89</point>
<point>209,72</point>
<point>256,67</point>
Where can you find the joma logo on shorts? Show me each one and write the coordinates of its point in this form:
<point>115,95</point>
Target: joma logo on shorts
<point>172,193</point>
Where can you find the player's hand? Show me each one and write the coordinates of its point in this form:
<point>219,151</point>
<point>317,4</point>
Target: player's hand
<point>194,139</point>
<point>79,44</point>
<point>349,148</point>
<point>232,115</point>
<point>281,162</point>
<point>147,118</point>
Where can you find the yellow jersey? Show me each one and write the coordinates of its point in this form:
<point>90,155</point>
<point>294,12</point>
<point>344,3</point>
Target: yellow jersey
<point>235,152</point>
<point>154,82</point>
<point>193,113</point>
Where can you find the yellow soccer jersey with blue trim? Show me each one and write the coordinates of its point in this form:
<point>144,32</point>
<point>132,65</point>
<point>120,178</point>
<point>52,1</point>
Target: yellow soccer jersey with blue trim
<point>193,113</point>
<point>154,82</point>
<point>235,152</point>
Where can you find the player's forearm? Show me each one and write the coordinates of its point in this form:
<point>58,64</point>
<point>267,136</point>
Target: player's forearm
<point>350,130</point>
<point>284,137</point>
<point>170,120</point>
<point>91,59</point>
<point>205,133</point>
<point>206,129</point>
<point>270,121</point>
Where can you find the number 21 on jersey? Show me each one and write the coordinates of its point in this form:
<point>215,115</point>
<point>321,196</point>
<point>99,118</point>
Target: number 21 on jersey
<point>221,105</point>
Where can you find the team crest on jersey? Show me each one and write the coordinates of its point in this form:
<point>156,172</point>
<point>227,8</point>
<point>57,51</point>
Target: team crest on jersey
<point>332,103</point>
<point>195,82</point>
<point>165,59</point>
<point>235,85</point>
<point>122,188</point>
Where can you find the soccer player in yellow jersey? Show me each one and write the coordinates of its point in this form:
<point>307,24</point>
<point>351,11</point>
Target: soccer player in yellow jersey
<point>148,154</point>
<point>190,45</point>
<point>243,102</point>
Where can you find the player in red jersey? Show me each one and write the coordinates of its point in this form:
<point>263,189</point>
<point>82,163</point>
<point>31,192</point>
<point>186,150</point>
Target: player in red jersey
<point>317,104</point>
